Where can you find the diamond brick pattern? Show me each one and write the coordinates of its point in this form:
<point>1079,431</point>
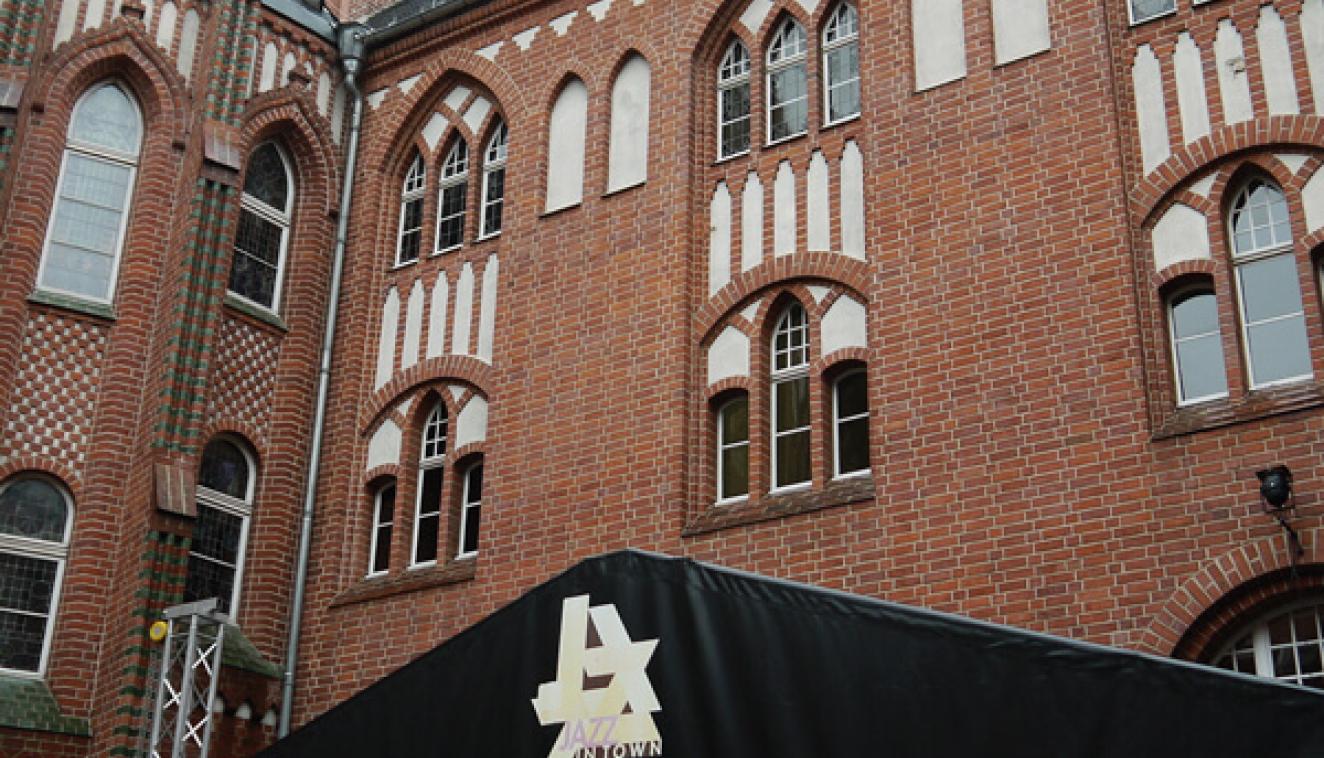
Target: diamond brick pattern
<point>56,392</point>
<point>243,376</point>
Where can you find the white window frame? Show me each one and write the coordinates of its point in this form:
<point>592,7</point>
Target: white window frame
<point>243,510</point>
<point>1262,644</point>
<point>786,62</point>
<point>411,190</point>
<point>1131,13</point>
<point>100,154</point>
<point>44,550</point>
<point>438,418</point>
<point>794,371</point>
<point>494,160</point>
<point>1240,259</point>
<point>466,505</point>
<point>279,217</point>
<point>838,421</point>
<point>853,40</point>
<point>1174,341</point>
<point>454,173</point>
<point>374,536</point>
<point>722,447</point>
<point>730,80</point>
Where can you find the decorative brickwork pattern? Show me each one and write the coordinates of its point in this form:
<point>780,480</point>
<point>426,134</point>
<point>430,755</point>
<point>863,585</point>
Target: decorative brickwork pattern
<point>56,391</point>
<point>245,376</point>
<point>20,24</point>
<point>231,72</point>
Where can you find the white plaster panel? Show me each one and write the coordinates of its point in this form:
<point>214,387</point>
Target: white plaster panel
<point>808,5</point>
<point>844,325</point>
<point>561,24</point>
<point>490,52</point>
<point>628,156</point>
<point>324,94</point>
<point>750,311</point>
<point>599,9</point>
<point>286,67</point>
<point>755,13</point>
<point>386,339</point>
<point>728,356</point>
<point>719,239</point>
<point>437,316</point>
<point>852,202</point>
<point>487,309</point>
<point>818,292</point>
<point>939,37</point>
<point>375,99</point>
<point>1276,63</point>
<point>1182,234</point>
<point>456,390</point>
<point>149,9</point>
<point>1293,161</point>
<point>165,32</point>
<point>434,129</point>
<point>403,407</point>
<point>254,55</point>
<point>406,85</point>
<point>1312,35</point>
<point>1020,29</point>
<point>188,44</point>
<point>1151,113</point>
<point>96,13</point>
<point>525,38</point>
<point>1191,97</point>
<point>464,303</point>
<point>565,160</point>
<point>413,325</point>
<point>1312,198</point>
<point>751,223</point>
<point>1232,83</point>
<point>783,210</point>
<point>115,8</point>
<point>817,206</point>
<point>1203,186</point>
<point>268,78</point>
<point>64,27</point>
<point>384,447</point>
<point>471,424</point>
<point>476,113</point>
<point>456,97</point>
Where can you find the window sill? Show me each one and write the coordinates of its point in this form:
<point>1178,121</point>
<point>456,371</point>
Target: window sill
<point>780,504</point>
<point>1165,14</point>
<point>1256,404</point>
<point>563,209</point>
<point>614,191</point>
<point>265,317</point>
<point>731,157</point>
<point>28,704</point>
<point>445,250</point>
<point>784,140</point>
<point>412,580</point>
<point>842,121</point>
<point>102,311</point>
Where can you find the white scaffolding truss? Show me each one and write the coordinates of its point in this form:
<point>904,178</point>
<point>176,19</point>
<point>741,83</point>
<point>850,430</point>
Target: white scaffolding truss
<point>185,685</point>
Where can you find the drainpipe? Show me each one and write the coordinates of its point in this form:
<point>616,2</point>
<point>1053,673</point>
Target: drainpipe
<point>350,40</point>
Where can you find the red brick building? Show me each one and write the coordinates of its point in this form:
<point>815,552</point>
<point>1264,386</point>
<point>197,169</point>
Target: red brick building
<point>995,307</point>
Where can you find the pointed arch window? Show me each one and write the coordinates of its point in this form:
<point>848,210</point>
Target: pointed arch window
<point>494,180</point>
<point>431,476</point>
<point>733,101</point>
<point>85,238</point>
<point>788,82</point>
<point>790,399</point>
<point>1273,320</point>
<point>452,196</point>
<point>35,522</point>
<point>258,269</point>
<point>226,479</point>
<point>410,236</point>
<point>841,65</point>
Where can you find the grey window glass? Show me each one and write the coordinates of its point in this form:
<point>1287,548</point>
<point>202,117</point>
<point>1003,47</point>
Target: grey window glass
<point>224,469</point>
<point>1273,320</point>
<point>454,195</point>
<point>33,509</point>
<point>1143,10</point>
<point>733,448</point>
<point>494,180</point>
<point>266,179</point>
<point>733,102</point>
<point>1259,219</point>
<point>841,63</point>
<point>27,586</point>
<point>1198,347</point>
<point>788,82</point>
<point>108,119</point>
<point>852,423</point>
<point>214,557</point>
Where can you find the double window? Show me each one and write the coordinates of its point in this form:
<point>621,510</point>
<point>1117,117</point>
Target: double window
<point>35,521</point>
<point>786,81</point>
<point>226,478</point>
<point>87,224</point>
<point>258,269</point>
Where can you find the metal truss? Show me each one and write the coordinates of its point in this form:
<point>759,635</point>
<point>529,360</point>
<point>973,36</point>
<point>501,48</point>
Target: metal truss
<point>185,685</point>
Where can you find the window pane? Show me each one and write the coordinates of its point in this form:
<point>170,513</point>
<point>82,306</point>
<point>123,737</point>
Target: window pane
<point>266,179</point>
<point>208,579</point>
<point>792,403</point>
<point>26,584</point>
<point>450,230</point>
<point>108,118</point>
<point>85,231</point>
<point>1200,368</point>
<point>383,529</point>
<point>792,458</point>
<point>257,250</point>
<point>492,200</point>
<point>735,421</point>
<point>474,492</point>
<point>1278,350</point>
<point>1195,315</point>
<point>224,469</point>
<point>21,640</point>
<point>853,441</point>
<point>789,102</point>
<point>1269,288</point>
<point>1146,9</point>
<point>852,395</point>
<point>735,472</point>
<point>843,82</point>
<point>34,509</point>
<point>430,498</point>
<point>217,535</point>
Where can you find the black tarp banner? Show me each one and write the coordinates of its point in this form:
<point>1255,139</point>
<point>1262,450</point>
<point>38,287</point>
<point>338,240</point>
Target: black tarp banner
<point>634,654</point>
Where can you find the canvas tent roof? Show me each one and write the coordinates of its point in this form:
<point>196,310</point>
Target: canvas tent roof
<point>745,666</point>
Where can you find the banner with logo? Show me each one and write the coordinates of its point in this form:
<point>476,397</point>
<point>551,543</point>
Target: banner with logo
<point>634,654</point>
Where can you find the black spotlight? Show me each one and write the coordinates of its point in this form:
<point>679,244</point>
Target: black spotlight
<point>1276,488</point>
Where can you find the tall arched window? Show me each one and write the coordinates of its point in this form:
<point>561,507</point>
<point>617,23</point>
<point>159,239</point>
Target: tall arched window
<point>258,269</point>
<point>431,475</point>
<point>494,181</point>
<point>1197,346</point>
<point>88,221</point>
<point>471,510</point>
<point>410,235</point>
<point>788,82</point>
<point>841,65</point>
<point>452,195</point>
<point>383,526</point>
<point>1272,316</point>
<point>1287,645</point>
<point>733,101</point>
<point>733,449</point>
<point>35,521</point>
<point>226,478</point>
<point>790,399</point>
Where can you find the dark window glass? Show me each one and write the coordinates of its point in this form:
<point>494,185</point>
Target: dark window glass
<point>429,515</point>
<point>266,179</point>
<point>852,423</point>
<point>224,469</point>
<point>382,529</point>
<point>34,509</point>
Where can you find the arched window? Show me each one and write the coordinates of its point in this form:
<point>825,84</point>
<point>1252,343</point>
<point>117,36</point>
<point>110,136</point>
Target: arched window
<point>1197,346</point>
<point>1287,645</point>
<point>494,180</point>
<point>452,196</point>
<point>850,423</point>
<point>841,65</point>
<point>87,224</point>
<point>431,475</point>
<point>790,399</point>
<point>226,478</point>
<point>258,268</point>
<point>471,510</point>
<point>788,82</point>
<point>410,235</point>
<point>1272,316</point>
<point>733,101</point>
<point>733,449</point>
<point>35,521</point>
<point>383,523</point>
